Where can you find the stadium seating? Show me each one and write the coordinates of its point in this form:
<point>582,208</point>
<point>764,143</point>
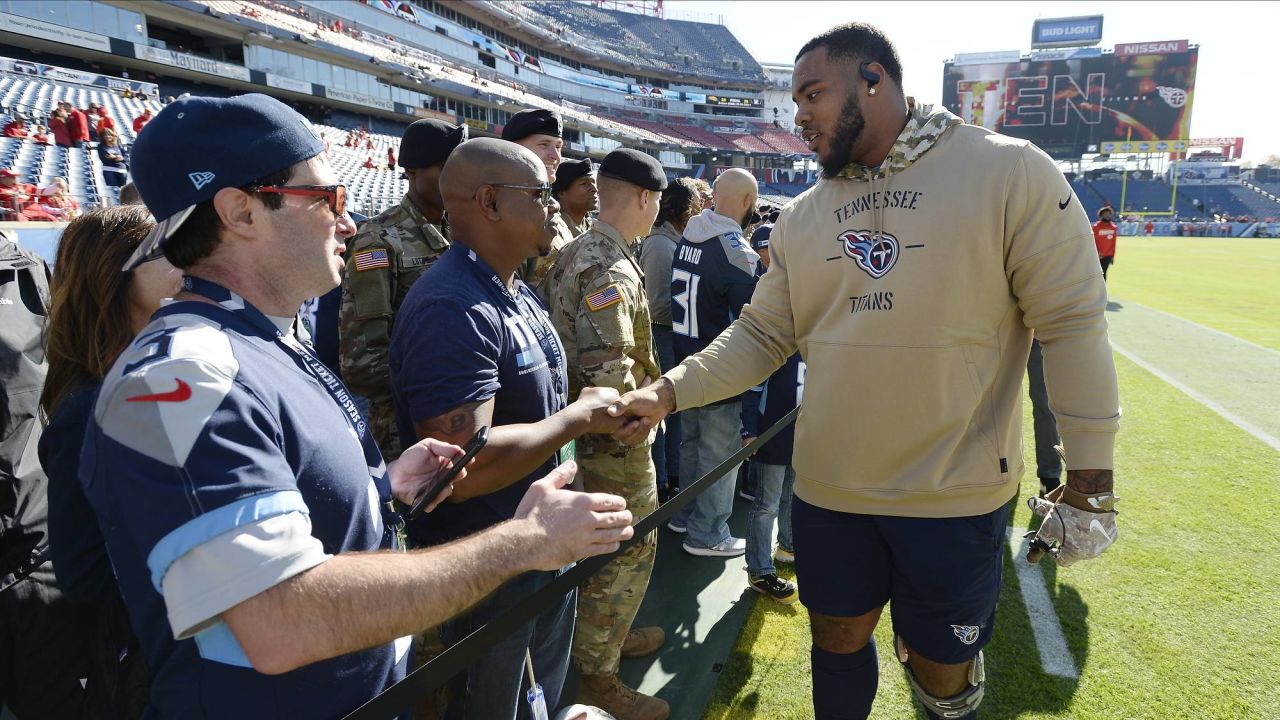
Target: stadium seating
<point>784,142</point>
<point>675,45</point>
<point>436,70</point>
<point>1232,200</point>
<point>1153,195</point>
<point>39,164</point>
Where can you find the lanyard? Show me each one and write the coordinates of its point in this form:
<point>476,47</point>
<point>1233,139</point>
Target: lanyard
<point>227,300</point>
<point>537,322</point>
<point>236,304</point>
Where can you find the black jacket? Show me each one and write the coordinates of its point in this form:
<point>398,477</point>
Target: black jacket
<point>24,299</point>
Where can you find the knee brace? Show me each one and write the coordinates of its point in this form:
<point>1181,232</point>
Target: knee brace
<point>956,706</point>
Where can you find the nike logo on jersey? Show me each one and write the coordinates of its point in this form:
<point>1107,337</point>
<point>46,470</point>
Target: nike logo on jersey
<point>1063,205</point>
<point>180,394</point>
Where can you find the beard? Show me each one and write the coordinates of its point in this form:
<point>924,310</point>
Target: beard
<point>846,133</point>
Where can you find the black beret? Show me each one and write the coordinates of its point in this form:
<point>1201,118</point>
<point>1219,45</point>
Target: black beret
<point>429,142</point>
<point>532,122</point>
<point>636,168</point>
<point>569,171</point>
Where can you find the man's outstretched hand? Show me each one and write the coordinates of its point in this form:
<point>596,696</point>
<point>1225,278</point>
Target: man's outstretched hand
<point>644,408</point>
<point>568,525</point>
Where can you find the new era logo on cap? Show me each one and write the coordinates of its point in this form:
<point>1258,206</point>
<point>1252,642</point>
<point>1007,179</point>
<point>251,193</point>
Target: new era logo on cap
<point>200,179</point>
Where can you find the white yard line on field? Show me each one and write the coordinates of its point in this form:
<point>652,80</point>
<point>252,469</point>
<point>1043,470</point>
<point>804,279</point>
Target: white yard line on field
<point>1227,415</point>
<point>1055,658</point>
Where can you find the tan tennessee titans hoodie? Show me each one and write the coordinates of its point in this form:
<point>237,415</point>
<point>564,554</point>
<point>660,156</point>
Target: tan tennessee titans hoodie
<point>912,291</point>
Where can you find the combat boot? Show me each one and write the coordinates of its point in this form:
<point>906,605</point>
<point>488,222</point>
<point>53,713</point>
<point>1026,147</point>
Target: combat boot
<point>642,641</point>
<point>609,694</point>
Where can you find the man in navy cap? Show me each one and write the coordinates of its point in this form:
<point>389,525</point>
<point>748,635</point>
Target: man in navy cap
<point>240,494</point>
<point>600,310</point>
<point>542,132</point>
<point>383,260</point>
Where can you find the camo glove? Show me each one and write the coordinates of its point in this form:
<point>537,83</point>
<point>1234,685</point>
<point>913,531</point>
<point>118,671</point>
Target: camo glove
<point>1076,526</point>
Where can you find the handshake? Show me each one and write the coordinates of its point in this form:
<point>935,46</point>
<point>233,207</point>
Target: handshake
<point>629,418</point>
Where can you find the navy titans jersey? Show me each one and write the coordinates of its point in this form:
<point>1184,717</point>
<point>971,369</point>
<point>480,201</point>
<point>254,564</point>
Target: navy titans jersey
<point>710,282</point>
<point>462,338</point>
<point>212,420</point>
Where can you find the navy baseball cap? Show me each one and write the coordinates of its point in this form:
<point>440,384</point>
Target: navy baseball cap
<point>197,146</point>
<point>760,238</point>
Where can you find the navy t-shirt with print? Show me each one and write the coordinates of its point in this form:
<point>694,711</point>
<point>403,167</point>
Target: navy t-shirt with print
<point>461,337</point>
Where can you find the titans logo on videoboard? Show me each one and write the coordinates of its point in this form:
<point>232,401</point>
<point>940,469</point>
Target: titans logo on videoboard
<point>875,253</point>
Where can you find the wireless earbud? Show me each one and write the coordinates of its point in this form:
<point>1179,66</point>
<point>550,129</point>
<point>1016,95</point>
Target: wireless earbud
<point>871,77</point>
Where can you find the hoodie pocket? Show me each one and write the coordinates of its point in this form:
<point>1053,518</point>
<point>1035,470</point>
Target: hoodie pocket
<point>899,419</point>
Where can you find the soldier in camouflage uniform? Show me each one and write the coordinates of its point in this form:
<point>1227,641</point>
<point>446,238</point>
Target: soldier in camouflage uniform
<point>542,132</point>
<point>600,310</point>
<point>575,190</point>
<point>383,260</point>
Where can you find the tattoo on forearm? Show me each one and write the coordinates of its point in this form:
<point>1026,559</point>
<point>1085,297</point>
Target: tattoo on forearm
<point>458,421</point>
<point>1090,481</point>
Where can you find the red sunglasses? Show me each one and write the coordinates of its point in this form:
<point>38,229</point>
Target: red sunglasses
<point>335,194</point>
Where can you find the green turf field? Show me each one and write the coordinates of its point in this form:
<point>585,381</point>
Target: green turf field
<point>1232,285</point>
<point>1181,618</point>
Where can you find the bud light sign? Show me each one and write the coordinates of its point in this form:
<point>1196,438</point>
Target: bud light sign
<point>1063,32</point>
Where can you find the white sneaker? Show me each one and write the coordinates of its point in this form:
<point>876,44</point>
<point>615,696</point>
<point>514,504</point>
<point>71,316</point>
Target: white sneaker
<point>784,556</point>
<point>731,547</point>
<point>676,527</point>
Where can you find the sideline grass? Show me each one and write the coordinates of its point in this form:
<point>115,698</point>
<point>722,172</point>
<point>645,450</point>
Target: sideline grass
<point>1180,619</point>
<point>1231,284</point>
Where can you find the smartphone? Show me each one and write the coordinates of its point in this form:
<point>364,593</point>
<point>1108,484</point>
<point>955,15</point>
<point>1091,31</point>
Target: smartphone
<point>473,446</point>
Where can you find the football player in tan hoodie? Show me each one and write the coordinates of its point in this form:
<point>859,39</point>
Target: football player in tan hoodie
<point>910,279</point>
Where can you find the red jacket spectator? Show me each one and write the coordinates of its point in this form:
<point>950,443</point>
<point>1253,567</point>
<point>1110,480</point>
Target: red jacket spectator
<point>104,121</point>
<point>40,137</point>
<point>1104,236</point>
<point>79,126</point>
<point>61,131</point>
<point>368,163</point>
<point>16,128</point>
<point>141,120</point>
<point>18,199</point>
<point>391,157</point>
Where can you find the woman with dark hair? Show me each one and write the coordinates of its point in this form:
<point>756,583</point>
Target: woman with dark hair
<point>680,201</point>
<point>96,311</point>
<point>114,169</point>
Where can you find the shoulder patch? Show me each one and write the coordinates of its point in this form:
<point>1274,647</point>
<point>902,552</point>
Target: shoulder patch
<point>371,260</point>
<point>165,387</point>
<point>605,297</point>
<point>739,253</point>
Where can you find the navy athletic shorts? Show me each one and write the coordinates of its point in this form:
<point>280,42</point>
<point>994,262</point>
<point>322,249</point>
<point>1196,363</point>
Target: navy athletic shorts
<point>940,575</point>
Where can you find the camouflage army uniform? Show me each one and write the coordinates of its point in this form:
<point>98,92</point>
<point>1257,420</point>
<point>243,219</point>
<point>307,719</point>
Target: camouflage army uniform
<point>600,310</point>
<point>370,299</point>
<point>576,229</point>
<point>537,270</point>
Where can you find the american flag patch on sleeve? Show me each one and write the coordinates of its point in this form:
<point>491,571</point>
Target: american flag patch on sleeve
<point>372,260</point>
<point>602,299</point>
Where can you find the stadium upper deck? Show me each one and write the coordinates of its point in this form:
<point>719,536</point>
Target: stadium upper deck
<point>659,45</point>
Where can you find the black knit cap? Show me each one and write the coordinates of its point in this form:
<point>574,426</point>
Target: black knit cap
<point>532,122</point>
<point>634,167</point>
<point>429,142</point>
